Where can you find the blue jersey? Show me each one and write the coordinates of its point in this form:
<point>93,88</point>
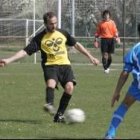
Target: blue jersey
<point>132,64</point>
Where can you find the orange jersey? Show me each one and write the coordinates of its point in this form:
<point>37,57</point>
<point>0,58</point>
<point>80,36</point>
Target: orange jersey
<point>106,29</point>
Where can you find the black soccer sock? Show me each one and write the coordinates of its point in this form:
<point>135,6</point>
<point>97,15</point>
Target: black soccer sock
<point>109,62</point>
<point>104,62</point>
<point>49,95</point>
<point>64,103</point>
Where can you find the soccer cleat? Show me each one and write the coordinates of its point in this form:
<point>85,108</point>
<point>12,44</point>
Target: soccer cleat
<point>50,108</point>
<point>59,118</point>
<point>107,71</point>
<point>109,137</point>
<point>110,133</point>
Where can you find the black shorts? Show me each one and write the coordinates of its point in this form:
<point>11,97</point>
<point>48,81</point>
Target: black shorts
<point>107,45</point>
<point>60,73</point>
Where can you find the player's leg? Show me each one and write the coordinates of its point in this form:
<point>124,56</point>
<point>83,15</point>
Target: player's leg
<point>64,101</point>
<point>104,51</point>
<point>51,82</point>
<point>118,116</point>
<point>105,60</point>
<point>109,60</point>
<point>68,82</point>
<point>111,50</point>
<point>50,87</point>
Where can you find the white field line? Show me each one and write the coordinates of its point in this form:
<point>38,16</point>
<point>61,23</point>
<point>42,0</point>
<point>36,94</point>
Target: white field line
<point>88,64</point>
<point>78,64</point>
<point>98,68</point>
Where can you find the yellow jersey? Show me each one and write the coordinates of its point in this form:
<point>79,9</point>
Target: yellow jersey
<point>53,46</point>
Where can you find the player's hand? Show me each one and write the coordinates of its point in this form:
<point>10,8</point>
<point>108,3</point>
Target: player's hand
<point>96,61</point>
<point>115,97</point>
<point>118,41</point>
<point>2,63</point>
<point>96,44</point>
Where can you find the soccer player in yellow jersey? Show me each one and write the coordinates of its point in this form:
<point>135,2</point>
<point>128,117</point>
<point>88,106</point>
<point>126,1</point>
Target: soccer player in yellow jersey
<point>107,31</point>
<point>52,43</point>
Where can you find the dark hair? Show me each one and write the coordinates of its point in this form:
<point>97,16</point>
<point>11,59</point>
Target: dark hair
<point>138,29</point>
<point>106,12</point>
<point>48,16</point>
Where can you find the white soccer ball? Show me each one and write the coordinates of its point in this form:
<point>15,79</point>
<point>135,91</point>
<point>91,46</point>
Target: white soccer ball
<point>75,115</point>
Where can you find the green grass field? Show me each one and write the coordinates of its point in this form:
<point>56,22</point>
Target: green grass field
<point>22,98</point>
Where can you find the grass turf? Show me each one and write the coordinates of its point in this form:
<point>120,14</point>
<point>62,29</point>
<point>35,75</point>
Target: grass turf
<point>23,95</point>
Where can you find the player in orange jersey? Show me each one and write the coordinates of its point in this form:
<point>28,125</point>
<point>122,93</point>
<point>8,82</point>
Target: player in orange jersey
<point>107,31</point>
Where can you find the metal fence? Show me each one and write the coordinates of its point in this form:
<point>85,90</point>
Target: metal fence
<point>79,17</point>
<point>23,18</point>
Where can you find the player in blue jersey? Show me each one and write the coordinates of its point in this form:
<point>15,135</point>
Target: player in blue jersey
<point>131,65</point>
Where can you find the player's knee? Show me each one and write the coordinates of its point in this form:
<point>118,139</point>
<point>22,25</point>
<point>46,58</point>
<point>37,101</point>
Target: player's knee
<point>105,55</point>
<point>51,83</point>
<point>128,101</point>
<point>69,88</point>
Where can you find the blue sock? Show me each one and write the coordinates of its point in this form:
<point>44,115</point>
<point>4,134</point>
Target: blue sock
<point>117,119</point>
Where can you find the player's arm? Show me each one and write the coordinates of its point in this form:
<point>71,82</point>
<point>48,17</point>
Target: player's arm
<point>20,54</point>
<point>96,36</point>
<point>121,81</point>
<point>84,51</point>
<point>98,32</point>
<point>31,48</point>
<point>117,38</point>
<point>116,34</point>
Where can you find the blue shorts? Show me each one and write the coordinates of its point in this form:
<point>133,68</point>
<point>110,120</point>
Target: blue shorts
<point>134,91</point>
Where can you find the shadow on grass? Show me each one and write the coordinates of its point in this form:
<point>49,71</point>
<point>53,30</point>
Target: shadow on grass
<point>21,121</point>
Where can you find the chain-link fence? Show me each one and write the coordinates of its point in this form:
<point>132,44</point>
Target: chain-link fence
<point>20,19</point>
